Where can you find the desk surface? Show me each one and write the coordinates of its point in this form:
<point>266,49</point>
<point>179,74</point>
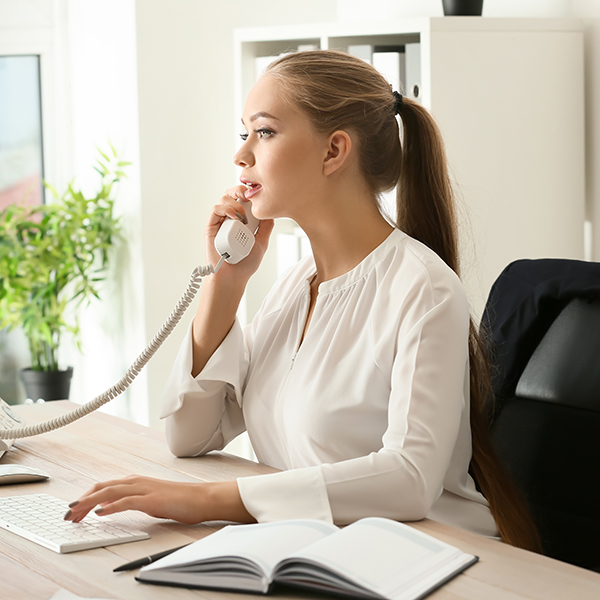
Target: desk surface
<point>101,447</point>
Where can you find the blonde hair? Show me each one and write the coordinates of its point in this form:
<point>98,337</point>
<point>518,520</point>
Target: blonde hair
<point>340,92</point>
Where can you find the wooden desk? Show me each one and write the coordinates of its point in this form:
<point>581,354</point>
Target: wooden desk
<point>101,447</point>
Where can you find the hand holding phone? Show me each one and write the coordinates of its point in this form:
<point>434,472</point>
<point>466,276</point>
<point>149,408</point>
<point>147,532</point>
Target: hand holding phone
<point>235,239</point>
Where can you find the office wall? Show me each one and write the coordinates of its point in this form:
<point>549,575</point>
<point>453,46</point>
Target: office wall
<point>187,139</point>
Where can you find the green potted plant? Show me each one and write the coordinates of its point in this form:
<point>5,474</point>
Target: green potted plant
<point>52,257</point>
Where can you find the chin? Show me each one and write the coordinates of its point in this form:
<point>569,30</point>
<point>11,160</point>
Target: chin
<point>263,209</point>
<point>262,212</point>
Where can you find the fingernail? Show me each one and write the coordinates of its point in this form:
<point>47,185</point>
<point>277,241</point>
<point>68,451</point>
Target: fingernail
<point>242,218</point>
<point>74,504</point>
<point>67,515</point>
<point>99,511</point>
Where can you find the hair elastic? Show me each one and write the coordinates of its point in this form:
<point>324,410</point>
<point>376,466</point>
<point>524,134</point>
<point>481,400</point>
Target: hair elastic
<point>398,103</point>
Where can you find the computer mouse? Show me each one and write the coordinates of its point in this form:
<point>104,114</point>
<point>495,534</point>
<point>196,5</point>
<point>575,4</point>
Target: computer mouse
<point>21,474</point>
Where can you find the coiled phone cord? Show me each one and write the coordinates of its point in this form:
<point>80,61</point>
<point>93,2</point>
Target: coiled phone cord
<point>198,274</point>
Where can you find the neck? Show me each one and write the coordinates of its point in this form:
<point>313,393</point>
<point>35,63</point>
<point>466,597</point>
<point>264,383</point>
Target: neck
<point>344,233</point>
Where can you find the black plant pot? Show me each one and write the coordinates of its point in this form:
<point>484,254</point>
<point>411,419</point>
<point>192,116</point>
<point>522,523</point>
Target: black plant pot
<point>463,8</point>
<point>47,385</point>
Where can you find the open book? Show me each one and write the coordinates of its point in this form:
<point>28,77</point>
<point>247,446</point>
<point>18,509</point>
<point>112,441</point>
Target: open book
<point>372,558</point>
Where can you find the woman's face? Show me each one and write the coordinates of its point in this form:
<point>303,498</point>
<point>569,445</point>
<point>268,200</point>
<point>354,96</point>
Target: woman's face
<point>282,155</point>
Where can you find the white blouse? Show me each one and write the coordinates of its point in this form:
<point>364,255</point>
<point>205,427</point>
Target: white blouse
<point>368,416</point>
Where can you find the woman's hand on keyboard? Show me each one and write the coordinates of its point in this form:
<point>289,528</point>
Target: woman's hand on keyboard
<point>183,502</point>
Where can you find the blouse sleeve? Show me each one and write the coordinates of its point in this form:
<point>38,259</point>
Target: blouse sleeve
<point>204,413</point>
<point>427,421</point>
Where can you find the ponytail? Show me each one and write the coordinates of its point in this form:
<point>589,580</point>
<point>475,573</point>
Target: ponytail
<point>426,211</point>
<point>424,194</point>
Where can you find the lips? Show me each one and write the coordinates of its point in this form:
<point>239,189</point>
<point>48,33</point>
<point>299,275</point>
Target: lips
<point>253,187</point>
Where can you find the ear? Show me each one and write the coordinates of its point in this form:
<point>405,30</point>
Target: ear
<point>338,151</point>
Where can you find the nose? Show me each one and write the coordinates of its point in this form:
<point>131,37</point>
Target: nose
<point>244,156</point>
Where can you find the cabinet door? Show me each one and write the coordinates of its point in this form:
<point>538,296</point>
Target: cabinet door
<point>510,106</point>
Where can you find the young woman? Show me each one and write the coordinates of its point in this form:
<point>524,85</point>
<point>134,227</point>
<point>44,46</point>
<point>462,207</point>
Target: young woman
<point>361,377</point>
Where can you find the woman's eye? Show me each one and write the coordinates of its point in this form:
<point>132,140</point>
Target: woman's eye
<point>263,133</point>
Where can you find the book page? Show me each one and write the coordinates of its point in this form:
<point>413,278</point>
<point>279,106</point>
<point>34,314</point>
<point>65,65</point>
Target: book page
<point>264,544</point>
<point>381,555</point>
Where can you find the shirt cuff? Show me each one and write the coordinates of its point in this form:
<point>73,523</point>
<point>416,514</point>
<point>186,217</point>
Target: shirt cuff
<point>293,494</point>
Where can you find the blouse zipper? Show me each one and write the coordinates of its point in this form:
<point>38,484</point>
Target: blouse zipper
<point>277,409</point>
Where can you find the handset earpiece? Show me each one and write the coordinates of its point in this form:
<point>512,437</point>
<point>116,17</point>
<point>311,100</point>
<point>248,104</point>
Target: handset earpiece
<point>235,240</point>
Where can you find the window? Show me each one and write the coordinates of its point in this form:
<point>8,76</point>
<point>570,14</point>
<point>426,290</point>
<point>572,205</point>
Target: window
<point>21,156</point>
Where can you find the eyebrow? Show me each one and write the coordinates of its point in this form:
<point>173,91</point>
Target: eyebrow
<point>260,114</point>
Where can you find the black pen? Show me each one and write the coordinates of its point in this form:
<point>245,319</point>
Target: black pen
<point>142,562</point>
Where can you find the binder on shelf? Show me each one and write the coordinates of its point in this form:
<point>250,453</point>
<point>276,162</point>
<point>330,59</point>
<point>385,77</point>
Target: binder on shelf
<point>413,71</point>
<point>364,51</point>
<point>262,62</point>
<point>390,61</point>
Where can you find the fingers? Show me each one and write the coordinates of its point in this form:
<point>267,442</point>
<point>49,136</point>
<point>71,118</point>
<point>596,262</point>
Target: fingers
<point>186,502</point>
<point>111,496</point>
<point>123,504</point>
<point>182,502</point>
<point>232,204</point>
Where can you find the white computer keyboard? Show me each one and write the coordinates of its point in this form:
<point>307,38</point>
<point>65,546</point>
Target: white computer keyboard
<point>40,518</point>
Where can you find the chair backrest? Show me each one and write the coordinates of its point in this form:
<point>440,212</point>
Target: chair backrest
<point>548,435</point>
<point>523,303</point>
<point>565,367</point>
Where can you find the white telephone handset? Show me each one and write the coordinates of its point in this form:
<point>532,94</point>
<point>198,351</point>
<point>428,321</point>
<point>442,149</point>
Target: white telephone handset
<point>235,240</point>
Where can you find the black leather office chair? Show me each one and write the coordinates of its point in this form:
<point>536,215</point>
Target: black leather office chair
<point>546,424</point>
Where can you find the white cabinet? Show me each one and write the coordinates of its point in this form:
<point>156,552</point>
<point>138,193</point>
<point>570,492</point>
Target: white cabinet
<point>508,97</point>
